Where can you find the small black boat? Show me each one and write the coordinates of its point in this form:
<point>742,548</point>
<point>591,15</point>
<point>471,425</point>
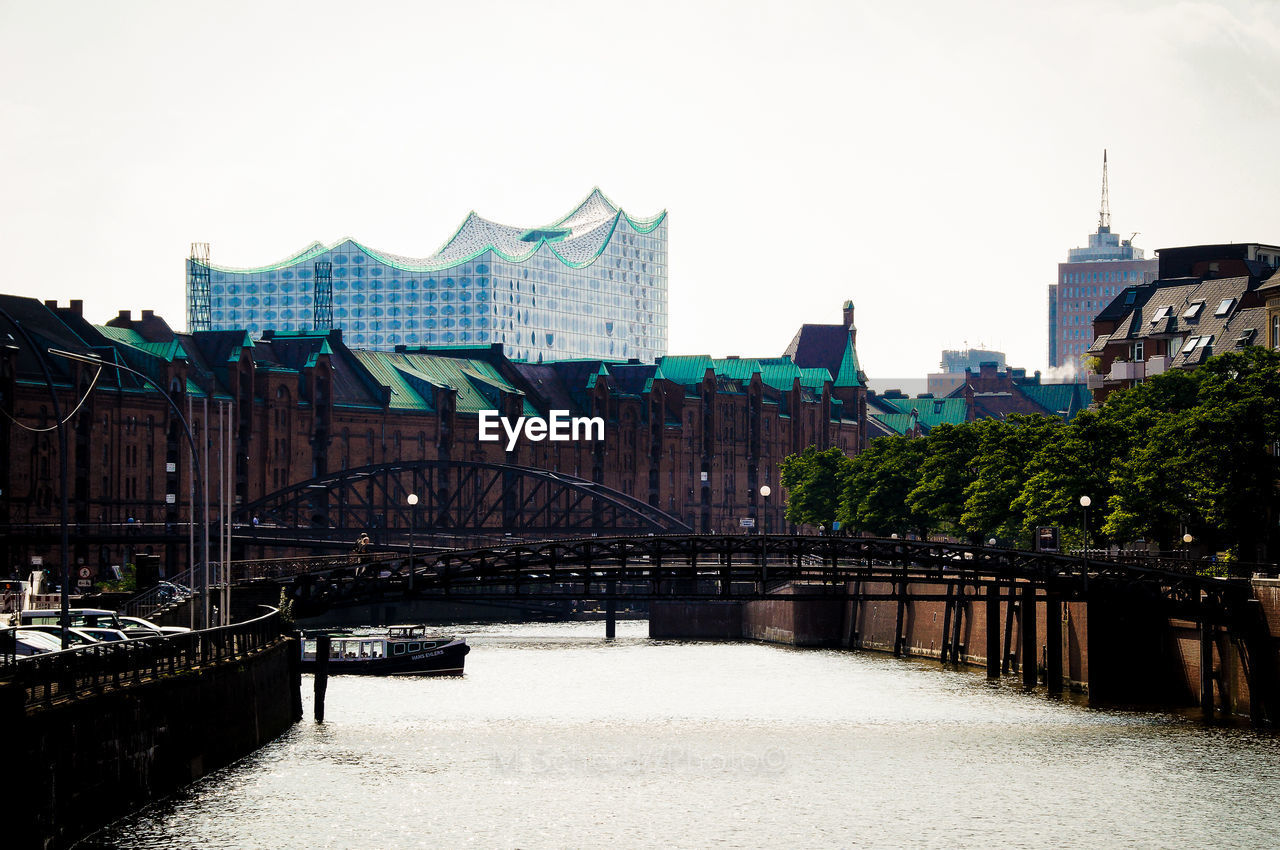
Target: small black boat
<point>399,651</point>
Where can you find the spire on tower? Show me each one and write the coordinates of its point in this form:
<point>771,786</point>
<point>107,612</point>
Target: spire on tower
<point>1104,212</point>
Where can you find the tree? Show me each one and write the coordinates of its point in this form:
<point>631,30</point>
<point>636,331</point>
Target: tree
<point>1005,450</point>
<point>875,493</point>
<point>948,468</point>
<point>814,481</point>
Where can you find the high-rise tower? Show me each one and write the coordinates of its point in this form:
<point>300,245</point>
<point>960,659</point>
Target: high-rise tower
<point>1088,280</point>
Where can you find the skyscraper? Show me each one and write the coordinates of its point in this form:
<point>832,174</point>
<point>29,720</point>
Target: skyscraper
<point>1087,282</point>
<point>591,284</point>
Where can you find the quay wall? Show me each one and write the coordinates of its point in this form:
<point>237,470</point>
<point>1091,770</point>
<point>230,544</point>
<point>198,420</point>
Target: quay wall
<point>1116,650</point>
<point>88,761</point>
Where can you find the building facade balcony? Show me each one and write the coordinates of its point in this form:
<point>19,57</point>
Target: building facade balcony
<point>1123,370</point>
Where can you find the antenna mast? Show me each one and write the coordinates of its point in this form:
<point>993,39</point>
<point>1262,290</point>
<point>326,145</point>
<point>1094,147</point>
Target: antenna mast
<point>1104,211</point>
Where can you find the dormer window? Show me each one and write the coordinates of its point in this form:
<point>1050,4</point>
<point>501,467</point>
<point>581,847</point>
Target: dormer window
<point>1225,307</point>
<point>1162,313</point>
<point>1193,311</point>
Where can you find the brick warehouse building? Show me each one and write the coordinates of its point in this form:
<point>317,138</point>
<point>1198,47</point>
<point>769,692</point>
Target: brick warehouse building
<point>694,436</point>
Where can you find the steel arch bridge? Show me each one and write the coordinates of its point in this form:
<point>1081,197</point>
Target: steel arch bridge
<point>455,498</point>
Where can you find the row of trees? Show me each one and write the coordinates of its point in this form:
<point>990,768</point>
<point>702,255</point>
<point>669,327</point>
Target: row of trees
<point>1185,452</point>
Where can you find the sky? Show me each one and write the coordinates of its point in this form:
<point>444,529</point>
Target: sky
<point>931,161</point>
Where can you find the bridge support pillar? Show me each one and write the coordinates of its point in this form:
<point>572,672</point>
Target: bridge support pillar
<point>1053,642</point>
<point>611,610</point>
<point>993,631</point>
<point>1030,659</point>
<point>1206,667</point>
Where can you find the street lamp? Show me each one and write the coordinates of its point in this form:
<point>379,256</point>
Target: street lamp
<point>1085,502</point>
<point>765,490</point>
<point>1186,546</point>
<point>413,504</point>
<point>94,360</point>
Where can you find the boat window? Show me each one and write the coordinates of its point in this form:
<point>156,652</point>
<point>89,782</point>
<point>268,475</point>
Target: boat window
<point>397,649</point>
<point>379,649</point>
<point>351,648</point>
<point>415,646</point>
<point>365,649</point>
<point>308,649</point>
<point>335,649</point>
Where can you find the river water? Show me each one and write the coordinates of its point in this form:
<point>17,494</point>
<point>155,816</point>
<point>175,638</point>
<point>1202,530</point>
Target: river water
<point>558,738</point>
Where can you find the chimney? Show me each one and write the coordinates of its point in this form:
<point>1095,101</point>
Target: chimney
<point>125,316</point>
<point>52,304</point>
<point>77,306</point>
<point>148,314</point>
<point>848,314</point>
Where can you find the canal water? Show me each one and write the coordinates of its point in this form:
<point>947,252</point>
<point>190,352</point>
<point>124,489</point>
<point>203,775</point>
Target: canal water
<point>558,738</point>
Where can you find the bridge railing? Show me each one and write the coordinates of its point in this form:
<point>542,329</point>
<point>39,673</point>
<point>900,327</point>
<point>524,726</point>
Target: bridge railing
<point>85,670</point>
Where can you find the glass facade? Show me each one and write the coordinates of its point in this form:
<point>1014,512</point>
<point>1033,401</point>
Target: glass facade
<point>593,284</point>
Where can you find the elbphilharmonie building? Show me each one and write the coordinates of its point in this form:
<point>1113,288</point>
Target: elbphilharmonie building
<point>592,284</point>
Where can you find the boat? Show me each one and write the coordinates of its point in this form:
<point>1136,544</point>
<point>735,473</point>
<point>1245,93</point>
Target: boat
<point>398,651</point>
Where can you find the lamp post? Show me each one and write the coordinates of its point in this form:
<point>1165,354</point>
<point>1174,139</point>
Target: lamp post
<point>191,441</point>
<point>1085,502</point>
<point>1186,546</point>
<point>65,540</point>
<point>764,537</point>
<point>413,510</point>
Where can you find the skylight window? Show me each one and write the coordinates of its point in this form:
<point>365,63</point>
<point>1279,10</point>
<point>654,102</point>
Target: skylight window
<point>1191,344</point>
<point>1162,313</point>
<point>1193,311</point>
<point>1225,307</point>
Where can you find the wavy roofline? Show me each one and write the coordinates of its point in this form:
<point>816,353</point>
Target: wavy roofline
<point>639,225</point>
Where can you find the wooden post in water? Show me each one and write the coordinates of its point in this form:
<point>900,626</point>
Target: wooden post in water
<point>1030,645</point>
<point>1206,667</point>
<point>993,630</point>
<point>946,623</point>
<point>322,675</point>
<point>611,610</point>
<point>1053,642</point>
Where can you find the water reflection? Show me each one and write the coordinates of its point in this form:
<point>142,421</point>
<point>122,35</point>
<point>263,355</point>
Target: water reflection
<point>556,737</point>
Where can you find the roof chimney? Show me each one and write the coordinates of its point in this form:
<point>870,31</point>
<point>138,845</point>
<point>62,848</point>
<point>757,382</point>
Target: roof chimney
<point>848,314</point>
<point>77,306</point>
<point>125,315</point>
<point>148,314</point>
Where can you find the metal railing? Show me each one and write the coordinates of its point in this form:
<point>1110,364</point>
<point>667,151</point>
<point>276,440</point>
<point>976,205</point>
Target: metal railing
<point>87,670</point>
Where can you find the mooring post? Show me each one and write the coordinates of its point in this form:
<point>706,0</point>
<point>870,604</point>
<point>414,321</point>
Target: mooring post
<point>1053,642</point>
<point>899,641</point>
<point>1206,667</point>
<point>993,630</point>
<point>611,610</point>
<point>322,675</point>
<point>946,623</point>
<point>1030,659</point>
<point>957,621</point>
<point>1009,660</point>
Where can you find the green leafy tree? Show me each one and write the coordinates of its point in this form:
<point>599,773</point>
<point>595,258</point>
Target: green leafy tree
<point>814,481</point>
<point>948,468</point>
<point>1005,451</point>
<point>881,477</point>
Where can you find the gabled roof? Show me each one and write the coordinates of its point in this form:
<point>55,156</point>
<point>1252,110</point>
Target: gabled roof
<point>828,347</point>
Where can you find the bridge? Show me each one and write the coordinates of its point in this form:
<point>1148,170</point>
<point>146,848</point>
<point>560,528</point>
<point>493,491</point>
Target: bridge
<point>459,502</point>
<point>1098,622</point>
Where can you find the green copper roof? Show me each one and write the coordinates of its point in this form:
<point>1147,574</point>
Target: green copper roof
<point>166,351</point>
<point>899,423</point>
<point>850,374</point>
<point>685,369</point>
<point>1065,400</point>
<point>415,380</point>
<point>929,411</point>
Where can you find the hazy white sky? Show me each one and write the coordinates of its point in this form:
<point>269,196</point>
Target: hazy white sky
<point>933,161</point>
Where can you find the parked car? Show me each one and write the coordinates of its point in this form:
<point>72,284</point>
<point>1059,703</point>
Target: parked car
<point>79,637</point>
<point>136,626</point>
<point>79,617</point>
<point>104,634</point>
<point>28,642</point>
